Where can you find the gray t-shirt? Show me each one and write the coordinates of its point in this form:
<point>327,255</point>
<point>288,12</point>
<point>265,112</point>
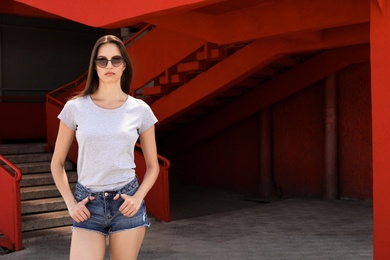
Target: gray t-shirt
<point>106,140</point>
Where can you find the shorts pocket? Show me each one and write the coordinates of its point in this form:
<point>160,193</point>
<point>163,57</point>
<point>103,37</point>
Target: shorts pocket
<point>132,190</point>
<point>80,193</point>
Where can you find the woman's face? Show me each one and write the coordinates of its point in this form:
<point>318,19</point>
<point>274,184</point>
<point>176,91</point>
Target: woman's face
<point>112,72</point>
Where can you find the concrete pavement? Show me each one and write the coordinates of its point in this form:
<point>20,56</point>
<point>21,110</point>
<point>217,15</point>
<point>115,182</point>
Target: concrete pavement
<point>290,229</point>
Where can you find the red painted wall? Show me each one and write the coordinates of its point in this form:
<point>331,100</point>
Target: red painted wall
<point>298,143</point>
<point>230,159</point>
<point>355,142</point>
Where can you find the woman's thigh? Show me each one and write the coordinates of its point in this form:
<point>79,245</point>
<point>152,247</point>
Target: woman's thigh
<point>87,245</point>
<point>126,244</point>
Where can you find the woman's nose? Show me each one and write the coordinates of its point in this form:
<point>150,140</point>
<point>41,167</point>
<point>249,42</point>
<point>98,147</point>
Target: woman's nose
<point>109,64</point>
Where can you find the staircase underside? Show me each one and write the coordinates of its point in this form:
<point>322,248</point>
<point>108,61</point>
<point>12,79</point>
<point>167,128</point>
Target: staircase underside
<point>207,108</point>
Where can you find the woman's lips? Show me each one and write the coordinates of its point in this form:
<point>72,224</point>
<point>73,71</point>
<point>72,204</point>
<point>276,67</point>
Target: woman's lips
<point>109,74</point>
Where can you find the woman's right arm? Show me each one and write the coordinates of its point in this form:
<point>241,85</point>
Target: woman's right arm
<point>65,137</point>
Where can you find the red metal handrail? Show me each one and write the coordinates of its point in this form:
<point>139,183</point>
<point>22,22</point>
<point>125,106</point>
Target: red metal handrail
<point>135,36</point>
<point>162,160</point>
<point>10,218</point>
<point>65,88</point>
<point>157,199</point>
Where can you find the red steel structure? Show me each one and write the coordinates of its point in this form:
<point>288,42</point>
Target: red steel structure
<point>343,33</point>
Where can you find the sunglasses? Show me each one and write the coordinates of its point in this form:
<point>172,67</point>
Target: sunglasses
<point>115,61</point>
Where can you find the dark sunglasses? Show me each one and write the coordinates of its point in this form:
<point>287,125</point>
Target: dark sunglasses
<point>115,61</point>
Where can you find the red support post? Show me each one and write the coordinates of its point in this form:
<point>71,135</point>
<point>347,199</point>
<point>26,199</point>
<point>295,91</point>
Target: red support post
<point>380,96</point>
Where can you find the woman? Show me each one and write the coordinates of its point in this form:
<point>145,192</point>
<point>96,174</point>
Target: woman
<point>107,122</point>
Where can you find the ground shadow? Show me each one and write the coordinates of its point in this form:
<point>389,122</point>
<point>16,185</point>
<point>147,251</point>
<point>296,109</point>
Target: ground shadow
<point>189,200</point>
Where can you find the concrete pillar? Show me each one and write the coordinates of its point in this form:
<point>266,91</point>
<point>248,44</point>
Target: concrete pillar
<point>330,142</point>
<point>380,102</point>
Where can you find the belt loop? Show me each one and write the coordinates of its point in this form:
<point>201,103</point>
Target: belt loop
<point>120,194</point>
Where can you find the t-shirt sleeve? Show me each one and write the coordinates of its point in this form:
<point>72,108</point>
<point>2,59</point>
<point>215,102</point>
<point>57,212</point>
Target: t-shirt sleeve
<point>66,115</point>
<point>148,118</point>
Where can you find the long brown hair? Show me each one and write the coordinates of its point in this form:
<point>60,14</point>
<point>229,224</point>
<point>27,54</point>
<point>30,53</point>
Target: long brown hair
<point>93,79</point>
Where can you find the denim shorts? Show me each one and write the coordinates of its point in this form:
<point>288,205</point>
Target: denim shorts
<point>105,215</point>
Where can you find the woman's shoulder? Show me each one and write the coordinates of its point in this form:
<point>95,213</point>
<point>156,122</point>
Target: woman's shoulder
<point>137,101</point>
<point>77,100</point>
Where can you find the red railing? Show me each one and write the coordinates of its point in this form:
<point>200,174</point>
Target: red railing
<point>10,217</point>
<point>157,200</point>
<point>136,36</point>
<point>62,93</point>
<point>131,41</point>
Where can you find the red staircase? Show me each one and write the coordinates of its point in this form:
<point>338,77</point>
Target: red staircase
<point>203,94</point>
<point>201,88</point>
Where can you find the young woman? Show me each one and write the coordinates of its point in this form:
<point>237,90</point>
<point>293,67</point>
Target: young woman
<point>107,122</point>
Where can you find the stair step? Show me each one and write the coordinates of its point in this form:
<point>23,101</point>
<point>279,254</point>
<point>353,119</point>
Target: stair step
<point>42,205</point>
<point>48,233</point>
<point>7,149</point>
<point>212,54</point>
<point>40,192</point>
<point>173,79</point>
<point>44,212</point>
<point>178,78</point>
<point>35,167</point>
<point>156,90</point>
<point>192,66</point>
<point>46,220</point>
<point>27,158</point>
<point>43,179</point>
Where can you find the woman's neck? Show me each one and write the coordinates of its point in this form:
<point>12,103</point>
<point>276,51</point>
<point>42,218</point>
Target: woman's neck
<point>109,93</point>
<point>109,97</point>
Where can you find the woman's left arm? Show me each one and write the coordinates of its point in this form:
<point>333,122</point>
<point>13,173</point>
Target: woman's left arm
<point>132,204</point>
<point>149,150</point>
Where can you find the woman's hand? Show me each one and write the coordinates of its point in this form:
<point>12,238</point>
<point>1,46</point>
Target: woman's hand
<point>130,206</point>
<point>79,211</point>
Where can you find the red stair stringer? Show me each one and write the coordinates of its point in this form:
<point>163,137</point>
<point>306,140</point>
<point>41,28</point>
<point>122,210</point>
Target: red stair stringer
<point>215,80</point>
<point>244,63</point>
<point>271,92</point>
<point>158,50</point>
